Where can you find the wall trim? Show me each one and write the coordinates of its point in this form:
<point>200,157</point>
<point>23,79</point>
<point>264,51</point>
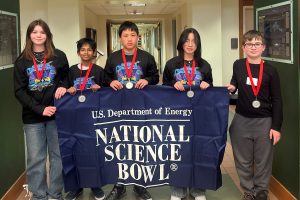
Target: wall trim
<point>279,190</point>
<point>16,189</point>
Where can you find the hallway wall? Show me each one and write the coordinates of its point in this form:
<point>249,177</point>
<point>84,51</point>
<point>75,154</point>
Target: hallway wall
<point>11,143</point>
<point>63,18</point>
<point>286,158</point>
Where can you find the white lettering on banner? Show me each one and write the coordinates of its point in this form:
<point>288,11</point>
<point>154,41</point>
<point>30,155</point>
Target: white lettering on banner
<point>142,144</point>
<point>144,134</point>
<point>138,172</point>
<point>99,114</point>
<point>143,153</point>
<point>184,112</point>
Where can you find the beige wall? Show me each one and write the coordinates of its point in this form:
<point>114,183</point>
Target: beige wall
<point>230,29</point>
<point>216,21</point>
<point>62,18</point>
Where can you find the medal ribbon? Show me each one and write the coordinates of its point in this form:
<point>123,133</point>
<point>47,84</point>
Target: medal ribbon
<point>82,86</point>
<point>129,71</point>
<point>190,77</point>
<point>261,69</point>
<point>39,73</point>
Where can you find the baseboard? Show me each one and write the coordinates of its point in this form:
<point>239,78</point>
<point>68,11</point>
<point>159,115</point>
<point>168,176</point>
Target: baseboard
<point>16,189</point>
<point>279,190</point>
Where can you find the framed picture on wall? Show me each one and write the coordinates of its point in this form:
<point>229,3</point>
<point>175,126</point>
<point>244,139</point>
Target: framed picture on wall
<point>9,40</point>
<point>275,22</point>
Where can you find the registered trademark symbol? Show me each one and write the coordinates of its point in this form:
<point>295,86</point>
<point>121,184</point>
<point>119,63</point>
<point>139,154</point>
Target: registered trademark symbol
<point>173,167</point>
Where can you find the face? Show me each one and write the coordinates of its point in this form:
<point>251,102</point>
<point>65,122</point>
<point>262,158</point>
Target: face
<point>38,36</point>
<point>189,47</point>
<point>253,48</point>
<point>86,52</point>
<point>129,39</point>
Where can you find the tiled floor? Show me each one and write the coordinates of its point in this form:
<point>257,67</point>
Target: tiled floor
<point>229,191</point>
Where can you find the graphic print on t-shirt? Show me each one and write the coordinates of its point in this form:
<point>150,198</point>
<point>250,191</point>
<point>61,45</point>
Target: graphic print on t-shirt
<point>180,75</point>
<point>46,80</point>
<point>135,76</point>
<point>78,81</point>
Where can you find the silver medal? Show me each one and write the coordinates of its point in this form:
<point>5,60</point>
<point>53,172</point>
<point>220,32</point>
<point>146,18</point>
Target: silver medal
<point>129,85</point>
<point>190,93</point>
<point>81,98</point>
<point>255,104</point>
<point>40,88</point>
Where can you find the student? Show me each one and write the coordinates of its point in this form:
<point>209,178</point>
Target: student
<point>82,76</point>
<point>130,67</point>
<point>182,72</point>
<point>38,71</point>
<point>255,128</point>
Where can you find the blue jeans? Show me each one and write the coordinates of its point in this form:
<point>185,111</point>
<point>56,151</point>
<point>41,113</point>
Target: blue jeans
<point>181,192</point>
<point>40,139</point>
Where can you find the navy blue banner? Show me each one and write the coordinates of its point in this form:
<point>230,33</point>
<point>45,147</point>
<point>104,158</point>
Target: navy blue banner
<point>150,137</point>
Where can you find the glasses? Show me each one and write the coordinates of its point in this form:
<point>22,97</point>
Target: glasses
<point>250,45</point>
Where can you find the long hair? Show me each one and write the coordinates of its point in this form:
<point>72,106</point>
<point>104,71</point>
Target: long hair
<point>49,46</point>
<point>182,39</point>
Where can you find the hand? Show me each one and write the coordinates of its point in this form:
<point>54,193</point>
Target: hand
<point>60,92</point>
<point>231,88</point>
<point>275,135</point>
<point>49,111</point>
<point>141,84</point>
<point>95,87</point>
<point>178,86</point>
<point>72,90</point>
<point>116,85</point>
<point>204,85</point>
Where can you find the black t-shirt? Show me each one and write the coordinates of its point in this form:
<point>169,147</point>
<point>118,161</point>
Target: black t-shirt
<point>75,79</point>
<point>27,85</point>
<point>269,94</point>
<point>144,68</point>
<point>174,71</point>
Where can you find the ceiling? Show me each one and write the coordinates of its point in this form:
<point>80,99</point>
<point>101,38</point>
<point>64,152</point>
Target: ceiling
<point>121,7</point>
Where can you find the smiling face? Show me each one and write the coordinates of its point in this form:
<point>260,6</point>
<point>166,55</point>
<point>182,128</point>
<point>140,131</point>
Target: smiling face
<point>189,47</point>
<point>86,53</point>
<point>129,39</point>
<point>38,36</point>
<point>254,48</point>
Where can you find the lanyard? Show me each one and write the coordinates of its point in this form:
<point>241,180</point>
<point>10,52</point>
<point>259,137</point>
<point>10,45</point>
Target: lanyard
<point>261,69</point>
<point>82,86</point>
<point>190,77</point>
<point>129,71</point>
<point>39,73</point>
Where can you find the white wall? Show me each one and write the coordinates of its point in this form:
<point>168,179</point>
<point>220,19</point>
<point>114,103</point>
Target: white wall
<point>230,29</point>
<point>206,18</point>
<point>216,21</point>
<point>62,18</point>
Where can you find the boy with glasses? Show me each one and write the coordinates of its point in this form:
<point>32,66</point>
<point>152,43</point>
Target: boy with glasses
<point>255,128</point>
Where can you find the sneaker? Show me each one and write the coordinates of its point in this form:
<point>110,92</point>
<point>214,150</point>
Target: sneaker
<point>98,193</point>
<point>142,193</point>
<point>248,196</point>
<point>200,197</point>
<point>116,193</point>
<point>261,195</point>
<point>175,198</point>
<point>72,195</point>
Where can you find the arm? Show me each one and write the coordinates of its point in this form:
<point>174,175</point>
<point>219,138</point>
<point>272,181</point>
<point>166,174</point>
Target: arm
<point>63,77</point>
<point>232,87</point>
<point>151,71</point>
<point>168,75</point>
<point>21,91</point>
<point>275,92</point>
